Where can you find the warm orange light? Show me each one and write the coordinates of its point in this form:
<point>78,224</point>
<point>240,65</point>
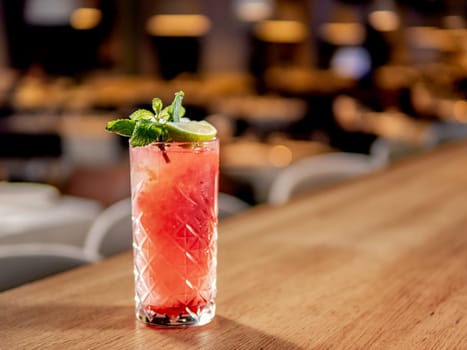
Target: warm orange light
<point>85,18</point>
<point>384,21</point>
<point>281,31</point>
<point>253,11</point>
<point>345,33</point>
<point>460,110</point>
<point>426,37</point>
<point>280,156</point>
<point>178,25</point>
<point>453,22</point>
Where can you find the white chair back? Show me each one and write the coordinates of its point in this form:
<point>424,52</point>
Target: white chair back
<point>23,263</point>
<point>230,205</point>
<point>111,232</point>
<point>445,132</point>
<point>386,151</point>
<point>318,171</point>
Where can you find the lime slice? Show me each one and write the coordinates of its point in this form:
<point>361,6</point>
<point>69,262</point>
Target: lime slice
<point>191,131</point>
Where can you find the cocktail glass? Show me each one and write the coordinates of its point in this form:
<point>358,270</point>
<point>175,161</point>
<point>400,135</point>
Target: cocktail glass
<point>174,189</point>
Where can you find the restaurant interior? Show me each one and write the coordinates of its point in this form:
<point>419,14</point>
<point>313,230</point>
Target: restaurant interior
<point>305,94</point>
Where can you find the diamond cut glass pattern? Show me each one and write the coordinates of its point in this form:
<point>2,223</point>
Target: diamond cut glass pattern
<point>174,208</point>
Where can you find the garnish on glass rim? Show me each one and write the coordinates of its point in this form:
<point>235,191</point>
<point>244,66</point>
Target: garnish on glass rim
<point>167,124</point>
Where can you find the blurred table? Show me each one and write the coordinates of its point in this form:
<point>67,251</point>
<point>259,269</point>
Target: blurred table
<point>261,114</point>
<point>38,213</point>
<point>390,124</point>
<point>19,198</point>
<point>47,147</point>
<point>83,136</point>
<point>376,263</point>
<point>300,81</point>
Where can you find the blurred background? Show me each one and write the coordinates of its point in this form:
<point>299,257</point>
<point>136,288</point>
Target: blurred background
<point>282,80</point>
<point>304,93</point>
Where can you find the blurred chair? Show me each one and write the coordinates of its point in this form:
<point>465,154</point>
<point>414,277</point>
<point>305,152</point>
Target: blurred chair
<point>23,263</point>
<point>111,232</point>
<point>257,163</point>
<point>444,132</point>
<point>229,205</point>
<point>318,171</point>
<point>385,151</point>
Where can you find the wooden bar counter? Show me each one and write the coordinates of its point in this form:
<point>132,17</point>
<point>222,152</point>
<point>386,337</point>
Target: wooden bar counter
<point>379,262</point>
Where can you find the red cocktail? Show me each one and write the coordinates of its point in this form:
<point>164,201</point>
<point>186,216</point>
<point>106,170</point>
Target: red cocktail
<point>174,197</point>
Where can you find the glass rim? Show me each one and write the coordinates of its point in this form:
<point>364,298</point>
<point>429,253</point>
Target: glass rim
<point>178,143</point>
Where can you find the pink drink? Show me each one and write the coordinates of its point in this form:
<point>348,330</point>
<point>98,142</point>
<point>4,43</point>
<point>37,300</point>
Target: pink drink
<point>174,206</point>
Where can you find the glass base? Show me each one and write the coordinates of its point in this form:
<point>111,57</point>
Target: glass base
<point>182,320</point>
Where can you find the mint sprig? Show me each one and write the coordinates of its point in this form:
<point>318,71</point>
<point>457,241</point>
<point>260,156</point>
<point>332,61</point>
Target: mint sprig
<point>146,131</point>
<point>124,127</point>
<point>177,106</point>
<point>144,127</point>
<point>141,114</point>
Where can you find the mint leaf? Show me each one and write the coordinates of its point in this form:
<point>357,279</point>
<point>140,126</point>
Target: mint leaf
<point>182,111</point>
<point>122,127</point>
<point>163,116</point>
<point>169,110</point>
<point>157,105</point>
<point>146,132</point>
<point>141,114</point>
<point>176,106</point>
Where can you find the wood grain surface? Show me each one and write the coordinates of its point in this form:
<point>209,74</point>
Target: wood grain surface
<point>379,262</point>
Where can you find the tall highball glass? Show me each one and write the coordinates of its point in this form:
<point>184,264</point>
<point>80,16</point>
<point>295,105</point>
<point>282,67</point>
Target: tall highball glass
<point>174,188</point>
